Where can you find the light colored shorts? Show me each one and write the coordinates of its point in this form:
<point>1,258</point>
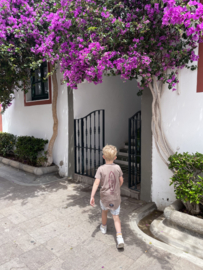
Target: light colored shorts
<point>113,212</point>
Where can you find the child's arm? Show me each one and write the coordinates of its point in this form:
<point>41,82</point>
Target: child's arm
<point>121,180</point>
<point>94,190</point>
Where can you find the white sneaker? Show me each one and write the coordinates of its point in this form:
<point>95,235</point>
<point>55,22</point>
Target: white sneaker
<point>120,241</point>
<point>103,229</point>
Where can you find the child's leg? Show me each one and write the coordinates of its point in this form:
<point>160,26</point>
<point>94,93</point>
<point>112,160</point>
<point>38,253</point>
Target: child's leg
<point>104,217</point>
<point>119,237</point>
<point>117,224</point>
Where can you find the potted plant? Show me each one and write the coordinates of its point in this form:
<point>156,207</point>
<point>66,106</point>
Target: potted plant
<point>188,180</point>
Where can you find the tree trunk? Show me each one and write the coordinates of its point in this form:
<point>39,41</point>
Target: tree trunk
<point>192,208</point>
<point>161,142</point>
<point>55,119</point>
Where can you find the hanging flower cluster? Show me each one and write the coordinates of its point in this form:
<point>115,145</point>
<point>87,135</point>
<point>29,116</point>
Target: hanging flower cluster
<point>23,25</point>
<point>146,40</point>
<point>132,38</point>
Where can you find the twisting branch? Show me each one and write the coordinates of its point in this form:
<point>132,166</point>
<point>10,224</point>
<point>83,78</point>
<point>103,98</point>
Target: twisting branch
<point>161,142</point>
<point>55,118</point>
<point>165,141</point>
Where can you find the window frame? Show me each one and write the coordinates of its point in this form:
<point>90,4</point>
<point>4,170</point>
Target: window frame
<point>200,69</point>
<point>41,101</point>
<point>33,83</point>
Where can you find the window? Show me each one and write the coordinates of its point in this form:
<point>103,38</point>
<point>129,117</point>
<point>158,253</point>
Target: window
<point>40,92</point>
<point>40,86</point>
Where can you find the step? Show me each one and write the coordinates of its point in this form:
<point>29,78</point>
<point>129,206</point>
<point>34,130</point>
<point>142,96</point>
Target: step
<point>123,154</point>
<point>125,170</point>
<point>125,151</point>
<point>125,191</point>
<point>132,147</point>
<point>132,143</point>
<point>125,158</point>
<point>177,237</point>
<point>133,140</point>
<point>125,162</point>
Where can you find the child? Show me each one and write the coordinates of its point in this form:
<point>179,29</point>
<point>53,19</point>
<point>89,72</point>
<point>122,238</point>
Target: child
<point>110,176</point>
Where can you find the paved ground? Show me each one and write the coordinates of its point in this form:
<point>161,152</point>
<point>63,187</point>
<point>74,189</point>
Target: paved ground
<point>23,178</point>
<point>54,227</point>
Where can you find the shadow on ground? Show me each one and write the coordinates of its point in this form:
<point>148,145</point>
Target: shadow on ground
<point>65,230</point>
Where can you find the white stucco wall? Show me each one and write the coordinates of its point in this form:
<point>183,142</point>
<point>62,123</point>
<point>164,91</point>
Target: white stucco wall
<point>118,99</point>
<point>37,121</point>
<point>183,124</point>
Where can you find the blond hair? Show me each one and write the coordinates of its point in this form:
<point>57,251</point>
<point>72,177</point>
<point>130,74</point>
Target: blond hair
<point>109,152</point>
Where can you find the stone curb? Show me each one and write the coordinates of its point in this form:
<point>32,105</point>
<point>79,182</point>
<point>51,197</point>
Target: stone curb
<point>185,221</point>
<point>30,169</point>
<point>176,238</point>
<point>143,212</point>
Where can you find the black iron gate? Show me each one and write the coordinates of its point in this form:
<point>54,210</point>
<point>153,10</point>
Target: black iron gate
<point>134,151</point>
<point>89,141</point>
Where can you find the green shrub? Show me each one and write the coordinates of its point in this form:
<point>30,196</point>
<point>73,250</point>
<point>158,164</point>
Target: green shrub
<point>187,179</point>
<point>7,143</point>
<point>42,159</point>
<point>28,148</point>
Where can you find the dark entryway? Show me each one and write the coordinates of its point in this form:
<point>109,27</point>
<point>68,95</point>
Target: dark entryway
<point>90,139</point>
<point>129,157</point>
<point>145,171</point>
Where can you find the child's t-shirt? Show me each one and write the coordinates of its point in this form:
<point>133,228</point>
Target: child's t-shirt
<point>110,185</point>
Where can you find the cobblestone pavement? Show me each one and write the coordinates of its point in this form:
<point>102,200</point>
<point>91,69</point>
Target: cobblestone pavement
<point>54,227</point>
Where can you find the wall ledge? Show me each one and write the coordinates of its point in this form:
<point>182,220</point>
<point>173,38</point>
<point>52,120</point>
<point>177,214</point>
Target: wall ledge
<point>183,220</point>
<point>180,230</point>
<point>27,168</point>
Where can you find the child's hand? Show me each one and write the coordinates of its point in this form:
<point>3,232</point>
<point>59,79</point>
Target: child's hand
<point>92,202</point>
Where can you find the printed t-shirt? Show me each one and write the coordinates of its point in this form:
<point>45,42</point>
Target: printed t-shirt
<point>110,185</point>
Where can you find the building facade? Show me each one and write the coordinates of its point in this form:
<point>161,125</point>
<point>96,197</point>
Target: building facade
<point>182,116</point>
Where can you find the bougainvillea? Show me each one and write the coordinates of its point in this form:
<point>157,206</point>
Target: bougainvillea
<point>21,28</point>
<point>131,38</point>
<point>134,39</point>
<point>23,25</point>
<point>148,40</point>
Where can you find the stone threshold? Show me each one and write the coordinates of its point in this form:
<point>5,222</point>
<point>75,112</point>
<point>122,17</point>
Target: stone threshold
<point>179,230</point>
<point>183,220</point>
<point>142,212</point>
<point>27,168</point>
<point>125,191</point>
